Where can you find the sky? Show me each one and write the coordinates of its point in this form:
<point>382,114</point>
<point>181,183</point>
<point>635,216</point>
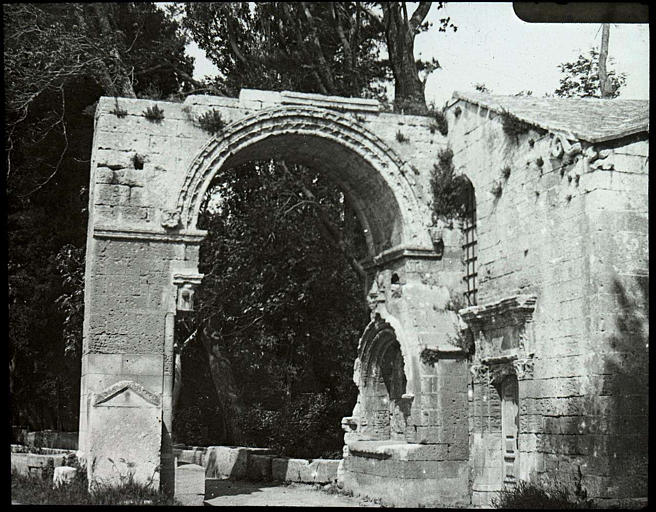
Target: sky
<point>494,47</point>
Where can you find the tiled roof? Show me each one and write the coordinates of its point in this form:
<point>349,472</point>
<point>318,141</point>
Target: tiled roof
<point>590,119</point>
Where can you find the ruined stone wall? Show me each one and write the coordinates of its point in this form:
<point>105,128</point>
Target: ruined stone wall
<point>616,412</point>
<point>147,179</point>
<point>569,231</point>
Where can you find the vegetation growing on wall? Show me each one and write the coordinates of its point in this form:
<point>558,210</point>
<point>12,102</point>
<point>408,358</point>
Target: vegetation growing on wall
<point>154,114</point>
<point>450,191</point>
<point>211,121</point>
<point>439,123</point>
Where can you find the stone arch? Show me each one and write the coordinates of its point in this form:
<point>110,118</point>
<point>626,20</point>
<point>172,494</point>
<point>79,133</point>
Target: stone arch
<point>371,174</point>
<point>383,382</point>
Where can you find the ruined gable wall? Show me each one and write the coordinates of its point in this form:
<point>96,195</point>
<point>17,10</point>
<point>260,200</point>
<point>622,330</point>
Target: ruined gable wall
<point>540,236</point>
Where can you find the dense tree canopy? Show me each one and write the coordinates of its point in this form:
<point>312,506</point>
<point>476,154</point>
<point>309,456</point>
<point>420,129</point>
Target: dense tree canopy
<point>324,47</point>
<point>279,309</point>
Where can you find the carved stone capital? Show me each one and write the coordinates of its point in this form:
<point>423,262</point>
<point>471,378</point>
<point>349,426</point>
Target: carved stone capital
<point>523,368</point>
<point>499,371</point>
<point>170,219</point>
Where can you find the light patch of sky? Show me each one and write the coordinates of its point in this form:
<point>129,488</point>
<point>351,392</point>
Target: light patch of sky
<point>494,47</point>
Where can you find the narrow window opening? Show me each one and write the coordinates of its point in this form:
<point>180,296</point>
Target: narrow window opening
<point>470,252</point>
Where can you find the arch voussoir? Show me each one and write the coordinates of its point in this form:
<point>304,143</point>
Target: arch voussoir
<point>311,123</point>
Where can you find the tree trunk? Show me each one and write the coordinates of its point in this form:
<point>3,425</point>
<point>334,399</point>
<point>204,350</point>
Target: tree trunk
<point>224,384</point>
<point>604,85</point>
<point>400,33</point>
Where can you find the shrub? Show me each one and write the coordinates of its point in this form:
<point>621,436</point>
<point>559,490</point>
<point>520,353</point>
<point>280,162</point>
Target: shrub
<point>400,137</point>
<point>450,191</point>
<point>440,123</point>
<point>154,114</point>
<point>304,428</point>
<point>211,121</point>
<point>497,189</point>
<point>528,495</point>
<point>119,112</point>
<point>505,172</point>
<point>138,161</point>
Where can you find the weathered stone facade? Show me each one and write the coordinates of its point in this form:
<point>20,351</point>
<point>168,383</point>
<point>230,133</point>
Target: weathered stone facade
<point>556,385</point>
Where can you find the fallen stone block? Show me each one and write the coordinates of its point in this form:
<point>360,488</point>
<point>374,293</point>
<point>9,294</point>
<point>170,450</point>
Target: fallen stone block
<point>63,475</point>
<point>258,467</point>
<point>190,455</point>
<point>304,471</point>
<point>324,471</point>
<point>230,461</point>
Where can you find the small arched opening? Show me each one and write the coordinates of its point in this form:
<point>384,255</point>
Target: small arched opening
<point>383,385</point>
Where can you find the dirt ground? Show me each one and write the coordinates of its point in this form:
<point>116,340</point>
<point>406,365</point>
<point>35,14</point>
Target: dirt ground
<point>190,483</point>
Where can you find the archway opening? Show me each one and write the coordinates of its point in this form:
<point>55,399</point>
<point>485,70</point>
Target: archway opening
<point>383,388</point>
<point>282,306</point>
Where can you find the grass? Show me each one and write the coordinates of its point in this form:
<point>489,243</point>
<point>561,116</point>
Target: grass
<point>528,495</point>
<point>38,490</point>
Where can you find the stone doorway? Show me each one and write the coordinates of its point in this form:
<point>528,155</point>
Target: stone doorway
<point>509,391</point>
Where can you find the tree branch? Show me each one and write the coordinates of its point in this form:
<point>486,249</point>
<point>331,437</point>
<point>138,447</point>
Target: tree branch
<point>419,15</point>
<point>326,227</point>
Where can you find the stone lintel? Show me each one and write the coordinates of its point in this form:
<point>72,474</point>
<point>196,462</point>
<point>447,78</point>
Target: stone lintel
<point>192,278</point>
<point>192,237</point>
<point>249,97</point>
<point>334,102</point>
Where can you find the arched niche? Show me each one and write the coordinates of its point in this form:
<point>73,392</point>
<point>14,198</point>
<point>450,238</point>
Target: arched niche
<point>384,407</point>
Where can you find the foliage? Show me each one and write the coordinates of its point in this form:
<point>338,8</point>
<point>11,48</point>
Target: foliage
<point>154,114</point>
<point>211,121</point>
<point>268,302</point>
<point>70,265</point>
<point>480,87</point>
<point>497,188</point>
<point>59,59</point>
<point>400,137</point>
<point>528,495</point>
<point>505,172</point>
<point>580,78</point>
<point>450,191</point>
<point>305,427</point>
<point>513,126</point>
<point>322,47</point>
<point>440,123</point>
<point>38,490</point>
<point>313,47</point>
